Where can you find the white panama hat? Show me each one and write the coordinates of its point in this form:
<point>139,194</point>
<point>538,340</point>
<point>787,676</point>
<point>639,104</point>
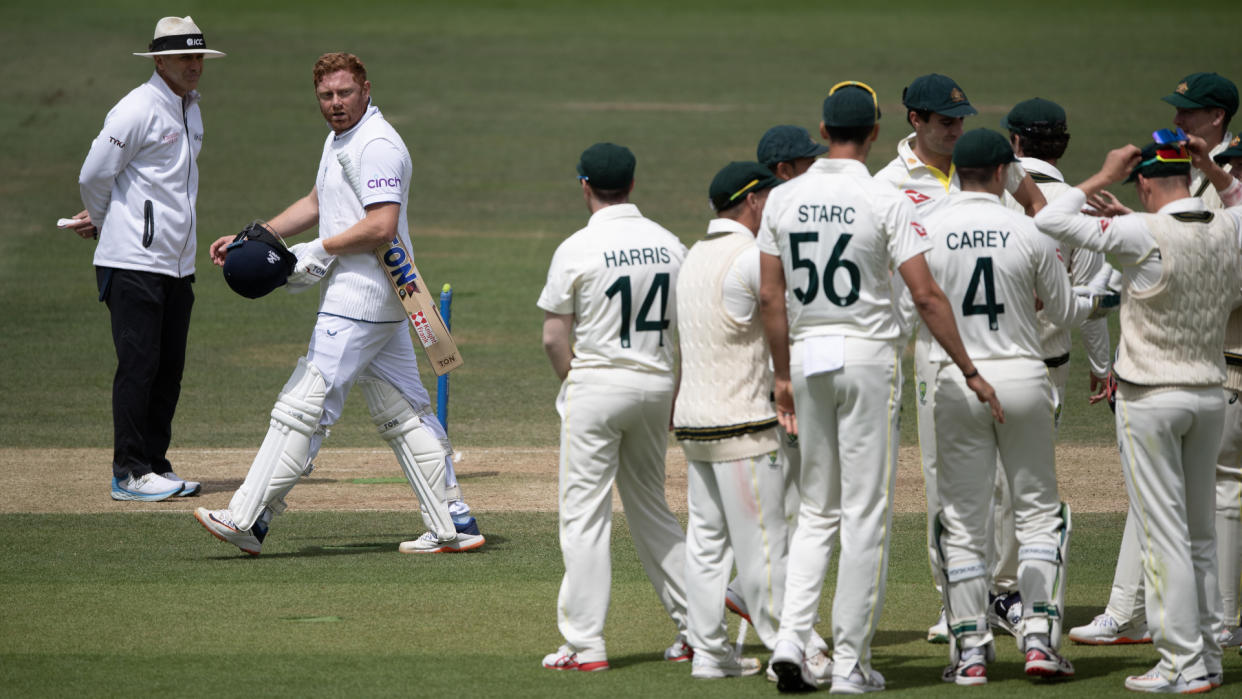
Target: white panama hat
<point>178,35</point>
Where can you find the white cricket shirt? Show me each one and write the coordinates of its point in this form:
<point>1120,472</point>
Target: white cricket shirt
<point>840,235</point>
<point>618,278</point>
<point>992,263</point>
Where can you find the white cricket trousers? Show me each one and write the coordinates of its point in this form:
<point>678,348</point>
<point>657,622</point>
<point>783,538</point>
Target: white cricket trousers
<point>343,349</point>
<point>968,439</point>
<point>848,432</point>
<point>736,514</point>
<point>614,427</point>
<point>1126,602</point>
<point>1169,441</point>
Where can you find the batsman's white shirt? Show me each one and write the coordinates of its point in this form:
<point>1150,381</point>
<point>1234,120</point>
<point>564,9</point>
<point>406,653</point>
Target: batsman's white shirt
<point>139,182</point>
<point>840,235</point>
<point>356,287</point>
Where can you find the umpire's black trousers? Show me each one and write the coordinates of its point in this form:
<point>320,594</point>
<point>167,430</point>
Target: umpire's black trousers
<point>150,323</point>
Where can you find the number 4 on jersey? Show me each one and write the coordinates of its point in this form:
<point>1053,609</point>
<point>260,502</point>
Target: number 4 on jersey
<point>990,308</point>
<point>659,285</point>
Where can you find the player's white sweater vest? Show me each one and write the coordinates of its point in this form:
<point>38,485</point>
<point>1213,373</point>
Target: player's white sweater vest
<point>1172,334</point>
<point>724,411</point>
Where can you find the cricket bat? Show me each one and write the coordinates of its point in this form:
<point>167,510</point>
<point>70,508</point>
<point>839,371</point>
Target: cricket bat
<point>411,289</point>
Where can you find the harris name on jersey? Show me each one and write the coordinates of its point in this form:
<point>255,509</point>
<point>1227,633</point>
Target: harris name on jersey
<point>637,256</point>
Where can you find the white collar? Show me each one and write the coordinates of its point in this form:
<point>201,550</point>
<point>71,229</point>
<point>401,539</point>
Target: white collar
<point>726,225</point>
<point>1043,167</point>
<point>371,111</point>
<point>614,211</point>
<point>1183,206</point>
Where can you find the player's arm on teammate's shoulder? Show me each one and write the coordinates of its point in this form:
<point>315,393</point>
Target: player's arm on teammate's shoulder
<point>299,216</point>
<point>772,313</point>
<point>557,328</point>
<point>933,307</point>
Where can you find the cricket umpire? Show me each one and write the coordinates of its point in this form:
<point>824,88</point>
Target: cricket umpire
<point>1180,265</point>
<point>139,186</point>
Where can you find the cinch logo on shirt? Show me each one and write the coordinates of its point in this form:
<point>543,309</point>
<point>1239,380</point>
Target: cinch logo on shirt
<point>383,182</point>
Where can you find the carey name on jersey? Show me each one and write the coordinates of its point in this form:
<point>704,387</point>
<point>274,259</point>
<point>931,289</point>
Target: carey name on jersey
<point>637,256</point>
<point>976,239</point>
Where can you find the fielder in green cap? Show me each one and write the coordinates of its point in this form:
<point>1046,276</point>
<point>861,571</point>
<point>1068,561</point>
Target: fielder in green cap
<point>727,426</point>
<point>1205,103</point>
<point>991,261</point>
<point>788,150</point>
<point>1039,133</point>
<point>832,239</point>
<point>924,172</point>
<point>1180,263</point>
<point>609,331</point>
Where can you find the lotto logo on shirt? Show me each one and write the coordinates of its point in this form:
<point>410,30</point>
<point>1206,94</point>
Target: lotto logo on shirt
<point>383,182</point>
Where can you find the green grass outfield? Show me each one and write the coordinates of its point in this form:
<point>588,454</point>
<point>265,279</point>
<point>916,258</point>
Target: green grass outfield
<point>149,604</point>
<point>495,100</point>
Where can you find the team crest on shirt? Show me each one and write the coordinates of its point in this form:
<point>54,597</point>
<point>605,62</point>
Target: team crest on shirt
<point>918,228</point>
<point>957,95</point>
<point>1182,88</point>
<point>922,393</point>
<point>916,197</point>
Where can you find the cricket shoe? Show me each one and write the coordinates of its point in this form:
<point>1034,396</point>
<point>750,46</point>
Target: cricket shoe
<point>151,487</point>
<point>1105,631</point>
<point>1216,679</point>
<point>1154,682</point>
<point>705,667</point>
<point>818,662</point>
<point>792,674</point>
<point>939,631</point>
<point>188,488</point>
<point>856,682</point>
<point>737,605</point>
<point>1043,661</point>
<point>1230,637</point>
<point>220,524</point>
<point>566,659</point>
<point>971,669</point>
<point>1005,613</point>
<point>428,543</point>
<point>679,652</point>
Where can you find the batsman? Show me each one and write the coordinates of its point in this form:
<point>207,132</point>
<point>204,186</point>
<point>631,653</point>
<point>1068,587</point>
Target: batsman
<point>360,335</point>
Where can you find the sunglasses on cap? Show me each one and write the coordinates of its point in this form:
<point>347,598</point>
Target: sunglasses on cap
<point>854,83</point>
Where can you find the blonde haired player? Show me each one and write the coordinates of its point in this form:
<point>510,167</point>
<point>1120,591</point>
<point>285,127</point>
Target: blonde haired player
<point>830,240</point>
<point>360,334</point>
<point>609,319</point>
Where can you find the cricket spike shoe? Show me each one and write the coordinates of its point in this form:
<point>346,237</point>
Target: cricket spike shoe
<point>220,524</point>
<point>428,543</point>
<point>1106,631</point>
<point>1154,682</point>
<point>566,659</point>
<point>1043,661</point>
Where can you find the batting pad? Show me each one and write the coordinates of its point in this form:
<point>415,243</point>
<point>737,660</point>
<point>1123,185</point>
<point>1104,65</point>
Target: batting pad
<point>283,456</point>
<point>419,452</point>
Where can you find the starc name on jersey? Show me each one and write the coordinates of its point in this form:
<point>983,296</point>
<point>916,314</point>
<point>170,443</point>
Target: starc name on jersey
<point>823,213</point>
<point>637,256</point>
<point>976,239</point>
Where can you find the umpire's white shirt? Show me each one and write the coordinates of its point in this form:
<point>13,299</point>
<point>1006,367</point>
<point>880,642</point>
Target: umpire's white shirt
<point>357,287</point>
<point>139,182</point>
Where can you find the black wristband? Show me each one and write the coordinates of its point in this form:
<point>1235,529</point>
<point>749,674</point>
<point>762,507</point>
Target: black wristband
<point>971,375</point>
